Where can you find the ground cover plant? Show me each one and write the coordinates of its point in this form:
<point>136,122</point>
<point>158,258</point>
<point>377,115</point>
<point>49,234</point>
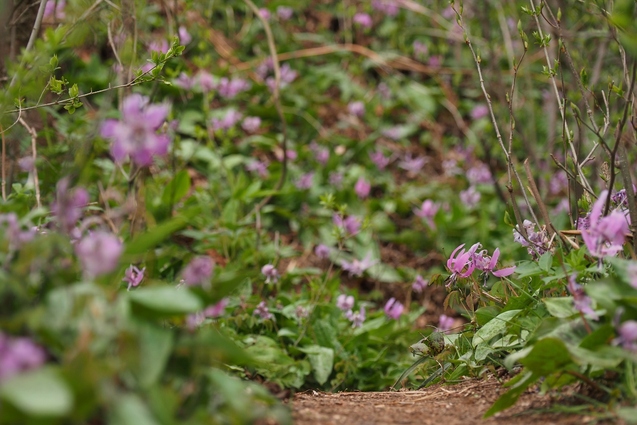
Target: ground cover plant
<point>207,205</point>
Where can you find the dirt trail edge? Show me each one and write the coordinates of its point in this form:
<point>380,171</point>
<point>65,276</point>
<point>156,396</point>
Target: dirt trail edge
<point>464,403</point>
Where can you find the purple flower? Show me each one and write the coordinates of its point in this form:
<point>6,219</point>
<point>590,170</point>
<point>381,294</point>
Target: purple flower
<point>479,174</point>
<point>581,301</point>
<point>198,271</point>
<point>336,179</point>
<point>321,154</point>
<point>427,211</point>
<point>356,108</point>
<point>206,81</point>
<point>305,181</point>
<point>12,233</point>
<point>322,251</point>
<point>230,88</point>
<point>259,167</point>
<point>605,235</point>
<point>184,81</point>
<point>379,159</point>
<point>479,111</point>
<point>538,242</point>
<point>26,163</point>
<point>55,9</point>
<point>393,309</point>
<point>445,323</point>
<point>265,13</point>
<point>216,310</point>
<point>558,182</point>
<point>462,264</point>
<point>631,270</point>
<point>487,264</point>
<point>357,318</point>
<point>627,336</point>
<point>271,274</point>
<point>357,267</point>
<point>18,355</point>
<point>412,165</point>
<point>158,46</point>
<point>229,120</point>
<point>363,19</point>
<point>68,205</point>
<point>362,188</point>
<point>287,76</point>
<point>251,124</point>
<point>263,312</point>
<point>290,153</point>
<point>284,13</point>
<point>98,252</point>
<point>419,284</point>
<point>388,7</point>
<point>133,276</point>
<point>351,225</point>
<point>420,49</point>
<point>184,35</point>
<point>135,135</point>
<point>393,133</point>
<point>435,61</point>
<point>470,197</point>
<point>384,91</point>
<point>345,302</point>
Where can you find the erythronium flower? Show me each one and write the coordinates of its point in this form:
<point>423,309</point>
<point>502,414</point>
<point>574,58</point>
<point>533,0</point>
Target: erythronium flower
<point>271,274</point>
<point>394,133</point>
<point>357,318</point>
<point>229,120</point>
<point>54,9</point>
<point>135,135</point>
<point>184,35</point>
<point>379,159</point>
<point>605,235</point>
<point>259,167</point>
<point>198,271</point>
<point>98,252</point>
<point>479,174</point>
<point>251,124</point>
<point>581,301</point>
<point>133,276</point>
<point>356,108</point>
<point>305,181</point>
<point>393,308</point>
<point>357,267</point>
<point>68,205</point>
<point>362,188</point>
<point>412,165</point>
<point>18,355</point>
<point>445,323</point>
<point>462,264</point>
<point>265,13</point>
<point>627,336</point>
<point>388,7</point>
<point>229,88</point>
<point>321,154</point>
<point>345,302</point>
<point>216,310</point>
<point>284,12</point>
<point>487,264</point>
<point>479,111</point>
<point>470,197</point>
<point>419,284</point>
<point>427,211</point>
<point>363,19</point>
<point>10,227</point>
<point>351,225</point>
<point>263,312</point>
<point>322,251</point>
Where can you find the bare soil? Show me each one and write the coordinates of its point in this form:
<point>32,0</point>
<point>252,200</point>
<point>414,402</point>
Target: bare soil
<point>463,403</point>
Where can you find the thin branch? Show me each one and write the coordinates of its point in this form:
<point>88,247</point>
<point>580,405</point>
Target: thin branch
<point>4,166</point>
<point>34,153</point>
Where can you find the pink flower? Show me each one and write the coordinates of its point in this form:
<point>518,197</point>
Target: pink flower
<point>251,124</point>
<point>479,174</point>
<point>99,253</point>
<point>356,108</point>
<point>263,312</point>
<point>55,9</point>
<point>135,135</point>
<point>358,267</point>
<point>216,310</point>
<point>362,188</point>
<point>206,81</point>
<point>198,271</point>
<point>284,13</point>
<point>379,159</point>
<point>322,251</point>
<point>357,318</point>
<point>388,7</point>
<point>230,88</point>
<point>487,264</point>
<point>462,264</point>
<point>393,309</point>
<point>363,19</point>
<point>133,276</point>
<point>581,301</point>
<point>427,211</point>
<point>271,274</point>
<point>351,224</point>
<point>605,235</point>
<point>229,120</point>
<point>420,49</point>
<point>18,355</point>
<point>445,323</point>
<point>321,154</point>
<point>627,337</point>
<point>184,81</point>
<point>265,13</point>
<point>393,133</point>
<point>158,46</point>
<point>184,35</point>
<point>345,302</point>
<point>259,167</point>
<point>412,165</point>
<point>419,284</point>
<point>69,205</point>
<point>479,111</point>
<point>470,197</point>
<point>305,181</point>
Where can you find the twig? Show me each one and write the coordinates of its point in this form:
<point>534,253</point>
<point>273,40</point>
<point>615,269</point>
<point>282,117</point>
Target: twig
<point>34,153</point>
<point>4,164</point>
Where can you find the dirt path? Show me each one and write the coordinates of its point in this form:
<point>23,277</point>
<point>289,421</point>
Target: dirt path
<point>464,404</point>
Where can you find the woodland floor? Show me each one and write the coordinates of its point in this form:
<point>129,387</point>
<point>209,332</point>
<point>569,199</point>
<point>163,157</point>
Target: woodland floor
<point>463,403</point>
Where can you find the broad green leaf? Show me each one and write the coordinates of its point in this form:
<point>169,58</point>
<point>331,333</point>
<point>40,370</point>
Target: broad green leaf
<point>518,385</point>
<point>322,361</point>
<point>176,189</point>
<point>155,344</point>
<point>547,356</point>
<point>494,327</point>
<point>166,300</point>
<point>155,235</point>
<point>560,307</point>
<point>38,393</point>
<point>545,261</point>
<point>131,410</point>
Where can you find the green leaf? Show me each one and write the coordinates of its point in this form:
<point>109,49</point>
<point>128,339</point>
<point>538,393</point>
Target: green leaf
<point>38,393</point>
<point>166,300</point>
<point>177,188</point>
<point>131,410</point>
<point>547,356</point>
<point>146,241</point>
<point>494,327</point>
<point>560,307</point>
<point>545,261</point>
<point>322,361</point>
<point>155,344</point>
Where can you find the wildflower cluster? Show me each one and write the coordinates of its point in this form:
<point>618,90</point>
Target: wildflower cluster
<point>463,263</point>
